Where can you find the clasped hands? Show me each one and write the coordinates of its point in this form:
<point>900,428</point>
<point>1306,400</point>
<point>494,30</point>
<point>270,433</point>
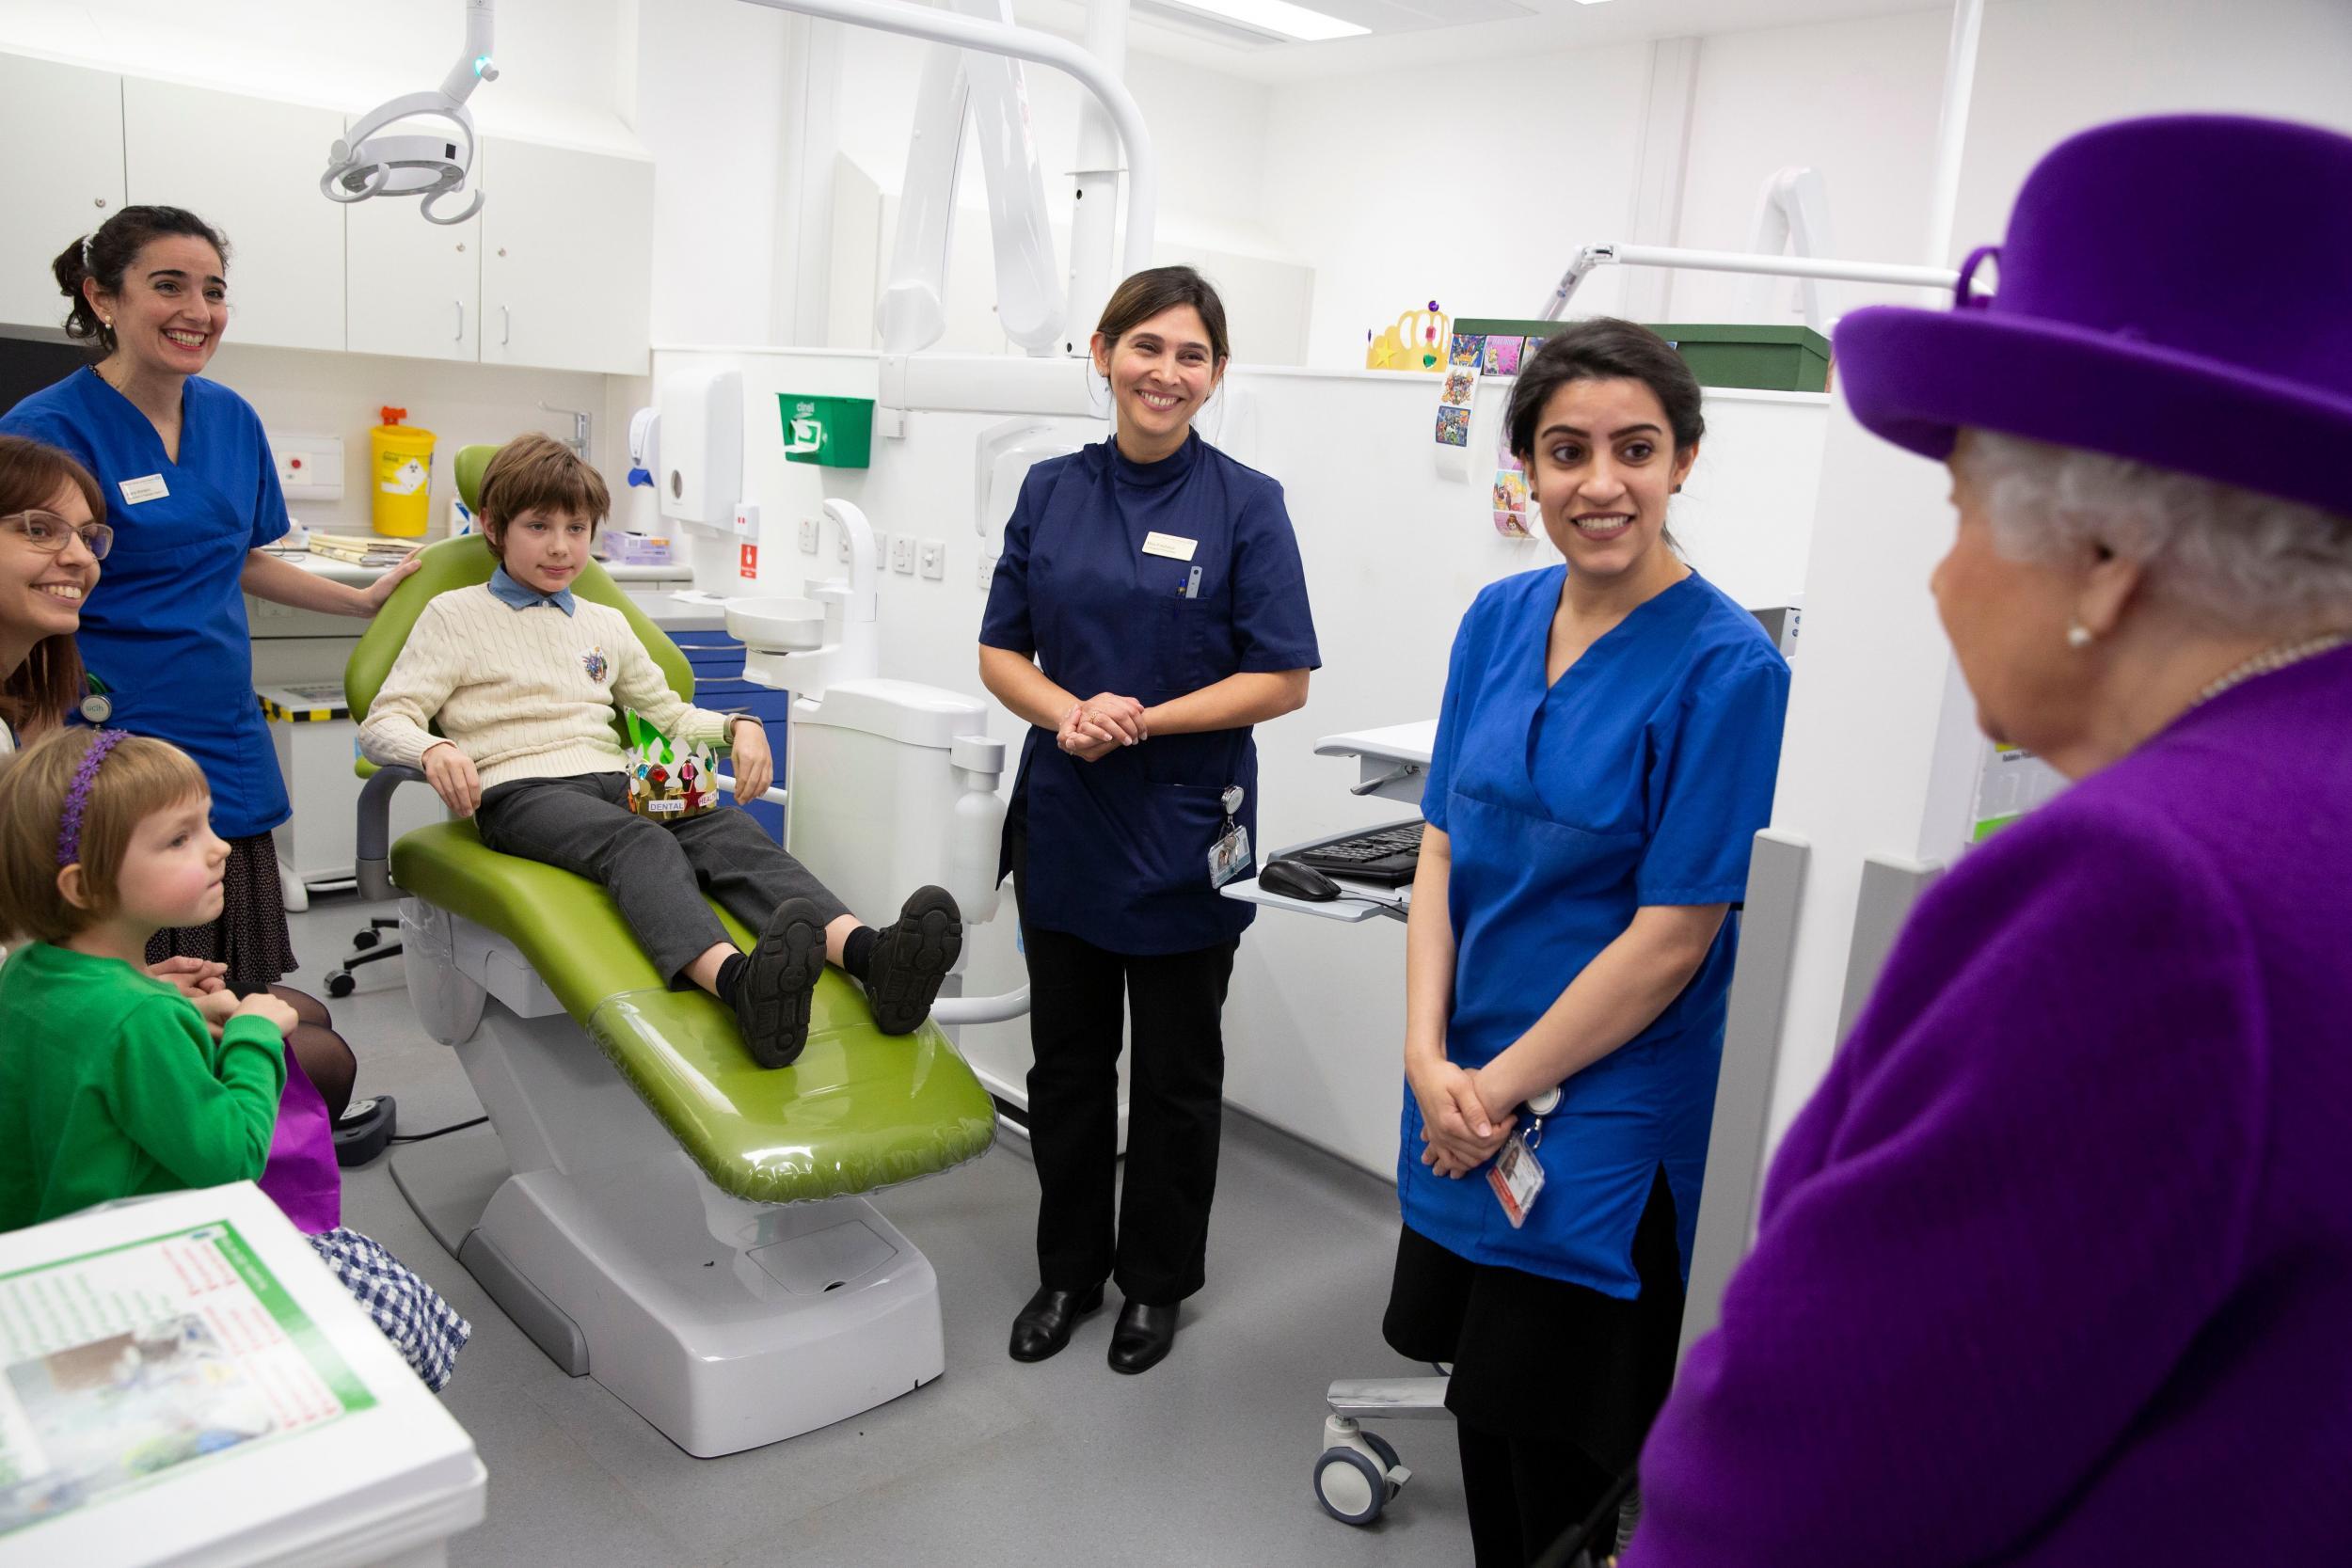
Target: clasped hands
<point>1458,1131</point>
<point>1100,725</point>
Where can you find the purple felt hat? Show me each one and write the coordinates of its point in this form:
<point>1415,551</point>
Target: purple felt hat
<point>2176,291</point>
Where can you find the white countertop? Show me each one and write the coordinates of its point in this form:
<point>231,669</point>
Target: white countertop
<point>359,575</point>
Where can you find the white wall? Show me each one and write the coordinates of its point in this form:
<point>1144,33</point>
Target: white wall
<point>1398,190</point>
<point>1859,101</point>
<point>300,394</point>
<point>1394,552</point>
<point>707,102</point>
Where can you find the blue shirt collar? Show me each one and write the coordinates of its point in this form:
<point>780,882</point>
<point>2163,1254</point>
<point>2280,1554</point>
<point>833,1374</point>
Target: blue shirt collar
<point>509,592</point>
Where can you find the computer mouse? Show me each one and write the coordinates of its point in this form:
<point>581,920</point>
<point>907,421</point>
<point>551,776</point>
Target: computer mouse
<point>1293,879</point>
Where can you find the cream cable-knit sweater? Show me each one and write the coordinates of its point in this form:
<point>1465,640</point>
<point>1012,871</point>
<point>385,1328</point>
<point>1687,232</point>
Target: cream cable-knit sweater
<point>525,693</point>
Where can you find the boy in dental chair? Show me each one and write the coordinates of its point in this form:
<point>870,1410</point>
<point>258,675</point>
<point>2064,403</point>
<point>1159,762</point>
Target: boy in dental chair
<point>523,678</point>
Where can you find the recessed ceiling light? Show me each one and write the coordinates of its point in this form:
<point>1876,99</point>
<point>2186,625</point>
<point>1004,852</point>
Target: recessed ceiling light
<point>1278,16</point>
<point>1592,2</point>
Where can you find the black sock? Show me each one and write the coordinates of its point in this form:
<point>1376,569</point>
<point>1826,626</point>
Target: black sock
<point>857,953</point>
<point>730,970</point>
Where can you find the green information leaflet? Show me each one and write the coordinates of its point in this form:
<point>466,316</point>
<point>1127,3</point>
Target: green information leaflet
<point>131,1365</point>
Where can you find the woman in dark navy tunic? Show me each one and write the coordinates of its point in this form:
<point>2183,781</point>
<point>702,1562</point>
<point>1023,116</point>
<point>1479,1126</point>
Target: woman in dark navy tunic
<point>1149,609</point>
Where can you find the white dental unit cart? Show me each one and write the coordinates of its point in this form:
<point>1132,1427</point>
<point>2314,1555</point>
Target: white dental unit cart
<point>183,1383</point>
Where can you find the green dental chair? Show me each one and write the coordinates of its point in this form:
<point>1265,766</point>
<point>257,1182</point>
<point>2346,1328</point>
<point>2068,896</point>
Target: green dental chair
<point>651,1207</point>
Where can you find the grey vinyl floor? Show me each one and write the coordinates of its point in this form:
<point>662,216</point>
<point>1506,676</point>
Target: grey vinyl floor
<point>1205,1459</point>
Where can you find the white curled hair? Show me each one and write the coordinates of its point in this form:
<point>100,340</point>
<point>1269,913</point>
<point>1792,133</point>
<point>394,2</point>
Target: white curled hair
<point>2244,561</point>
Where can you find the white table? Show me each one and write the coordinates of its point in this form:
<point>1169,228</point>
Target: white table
<point>200,1329</point>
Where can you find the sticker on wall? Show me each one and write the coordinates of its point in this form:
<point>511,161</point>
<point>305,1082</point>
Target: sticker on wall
<point>1501,355</point>
<point>749,562</point>
<point>1468,348</point>
<point>1457,391</point>
<point>1512,506</point>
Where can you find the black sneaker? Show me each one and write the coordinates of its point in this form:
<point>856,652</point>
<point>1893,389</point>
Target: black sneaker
<point>772,994</point>
<point>911,957</point>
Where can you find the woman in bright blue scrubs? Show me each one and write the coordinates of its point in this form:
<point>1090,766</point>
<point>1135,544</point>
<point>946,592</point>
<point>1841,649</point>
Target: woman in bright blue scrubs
<point>1148,608</point>
<point>1606,752</point>
<point>192,495</point>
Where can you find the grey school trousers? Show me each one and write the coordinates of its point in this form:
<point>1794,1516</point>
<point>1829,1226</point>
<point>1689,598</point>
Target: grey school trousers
<point>657,873</point>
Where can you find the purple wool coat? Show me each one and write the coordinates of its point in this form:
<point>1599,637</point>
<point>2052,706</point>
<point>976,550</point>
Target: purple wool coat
<point>2057,1266</point>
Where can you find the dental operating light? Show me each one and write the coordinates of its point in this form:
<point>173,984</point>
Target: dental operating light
<point>420,162</point>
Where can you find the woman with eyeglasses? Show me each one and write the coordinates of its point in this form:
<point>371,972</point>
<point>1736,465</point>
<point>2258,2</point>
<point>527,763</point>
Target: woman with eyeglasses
<point>191,493</point>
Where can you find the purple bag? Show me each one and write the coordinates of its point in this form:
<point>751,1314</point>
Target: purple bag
<point>301,1177</point>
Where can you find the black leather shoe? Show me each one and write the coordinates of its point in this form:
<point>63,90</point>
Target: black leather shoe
<point>1143,1336</point>
<point>1043,1326</point>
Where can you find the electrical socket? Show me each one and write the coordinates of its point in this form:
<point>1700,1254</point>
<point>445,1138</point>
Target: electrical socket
<point>988,571</point>
<point>808,535</point>
<point>902,554</point>
<point>933,558</point>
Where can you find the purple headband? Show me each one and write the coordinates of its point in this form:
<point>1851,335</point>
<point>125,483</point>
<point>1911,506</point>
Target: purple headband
<point>78,793</point>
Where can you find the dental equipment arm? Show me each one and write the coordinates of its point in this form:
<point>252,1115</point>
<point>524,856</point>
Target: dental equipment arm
<point>1732,260</point>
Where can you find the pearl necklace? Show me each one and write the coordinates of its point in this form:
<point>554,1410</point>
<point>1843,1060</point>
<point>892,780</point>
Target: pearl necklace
<point>2272,659</point>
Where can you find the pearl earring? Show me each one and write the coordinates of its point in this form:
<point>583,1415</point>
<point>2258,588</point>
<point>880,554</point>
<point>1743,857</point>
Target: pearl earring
<point>2078,635</point>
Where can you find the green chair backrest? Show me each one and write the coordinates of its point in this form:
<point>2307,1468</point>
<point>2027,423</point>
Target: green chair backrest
<point>461,564</point>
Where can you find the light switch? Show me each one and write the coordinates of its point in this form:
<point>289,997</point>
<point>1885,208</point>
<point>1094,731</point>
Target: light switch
<point>902,554</point>
<point>933,558</point>
<point>808,536</point>
<point>988,571</point>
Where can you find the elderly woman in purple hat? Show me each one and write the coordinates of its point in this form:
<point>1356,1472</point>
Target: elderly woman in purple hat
<point>2057,1263</point>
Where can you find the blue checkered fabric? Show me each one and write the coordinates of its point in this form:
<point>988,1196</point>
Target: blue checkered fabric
<point>421,1326</point>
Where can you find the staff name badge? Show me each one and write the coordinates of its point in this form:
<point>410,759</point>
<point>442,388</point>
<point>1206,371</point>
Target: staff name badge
<point>1516,1179</point>
<point>150,487</point>
<point>1169,544</point>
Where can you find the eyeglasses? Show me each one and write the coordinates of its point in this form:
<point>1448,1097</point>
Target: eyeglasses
<point>46,531</point>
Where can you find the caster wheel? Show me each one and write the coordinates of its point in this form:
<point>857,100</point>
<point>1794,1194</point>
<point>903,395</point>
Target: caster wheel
<point>340,984</point>
<point>366,940</point>
<point>1350,1487</point>
<point>1383,1448</point>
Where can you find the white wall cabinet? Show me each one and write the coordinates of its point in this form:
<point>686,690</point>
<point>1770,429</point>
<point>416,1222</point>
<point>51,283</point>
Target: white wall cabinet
<point>65,124</point>
<point>415,288</point>
<point>567,258</point>
<point>249,166</point>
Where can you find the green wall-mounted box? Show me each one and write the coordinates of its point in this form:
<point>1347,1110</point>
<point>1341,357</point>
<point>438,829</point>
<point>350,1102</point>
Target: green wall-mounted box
<point>834,433</point>
<point>1754,358</point>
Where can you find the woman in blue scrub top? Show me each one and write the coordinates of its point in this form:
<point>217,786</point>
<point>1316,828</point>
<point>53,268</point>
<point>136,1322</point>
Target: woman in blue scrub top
<point>192,495</point>
<point>1605,753</point>
<point>1147,609</point>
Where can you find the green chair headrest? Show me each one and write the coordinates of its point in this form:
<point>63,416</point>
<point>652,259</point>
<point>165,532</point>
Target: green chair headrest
<point>467,466</point>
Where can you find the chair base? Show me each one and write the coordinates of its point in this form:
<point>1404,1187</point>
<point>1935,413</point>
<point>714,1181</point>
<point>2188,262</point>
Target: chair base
<point>726,1323</point>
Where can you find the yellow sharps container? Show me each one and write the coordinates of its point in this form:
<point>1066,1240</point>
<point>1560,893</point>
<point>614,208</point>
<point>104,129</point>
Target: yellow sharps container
<point>399,458</point>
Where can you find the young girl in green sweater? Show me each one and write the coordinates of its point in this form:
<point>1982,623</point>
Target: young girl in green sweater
<point>115,1084</point>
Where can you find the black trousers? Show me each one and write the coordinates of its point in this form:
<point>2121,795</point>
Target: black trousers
<point>1156,1248</point>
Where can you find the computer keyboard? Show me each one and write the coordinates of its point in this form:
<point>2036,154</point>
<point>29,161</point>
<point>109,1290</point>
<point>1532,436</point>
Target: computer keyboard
<point>1384,857</point>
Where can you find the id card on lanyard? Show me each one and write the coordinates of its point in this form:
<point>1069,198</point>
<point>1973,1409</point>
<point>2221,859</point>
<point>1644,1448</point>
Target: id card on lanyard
<point>1517,1176</point>
<point>1229,857</point>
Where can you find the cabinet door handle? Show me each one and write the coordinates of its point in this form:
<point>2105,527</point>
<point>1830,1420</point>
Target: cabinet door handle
<point>506,325</point>
<point>459,335</point>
